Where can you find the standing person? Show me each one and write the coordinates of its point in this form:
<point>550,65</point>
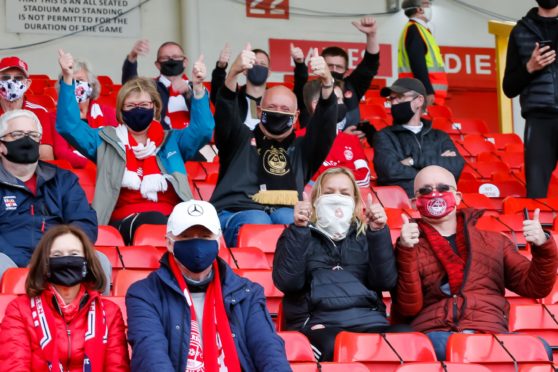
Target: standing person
<point>249,95</point>
<point>334,262</point>
<point>453,276</point>
<point>194,313</point>
<point>419,55</point>
<point>532,73</point>
<point>63,323</point>
<point>140,166</point>
<point>14,83</point>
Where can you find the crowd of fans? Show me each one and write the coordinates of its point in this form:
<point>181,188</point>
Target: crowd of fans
<point>332,262</point>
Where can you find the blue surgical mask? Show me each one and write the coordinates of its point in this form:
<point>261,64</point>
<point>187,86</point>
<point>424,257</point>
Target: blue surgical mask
<point>196,254</point>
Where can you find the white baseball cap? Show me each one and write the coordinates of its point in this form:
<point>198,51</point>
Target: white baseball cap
<point>193,213</point>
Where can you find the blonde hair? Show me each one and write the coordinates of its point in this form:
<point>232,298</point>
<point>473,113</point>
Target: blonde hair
<point>358,215</point>
<point>138,85</point>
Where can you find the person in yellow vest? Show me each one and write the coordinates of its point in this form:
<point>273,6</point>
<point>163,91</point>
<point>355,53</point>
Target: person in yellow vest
<point>419,55</point>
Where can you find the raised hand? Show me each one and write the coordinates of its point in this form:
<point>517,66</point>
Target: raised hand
<point>66,62</point>
<point>224,56</point>
<point>297,54</point>
<point>540,58</point>
<point>199,72</point>
<point>318,66</point>
<point>244,61</point>
<point>533,231</point>
<point>367,25</point>
<point>375,215</point>
<point>409,236</point>
<point>303,211</point>
<point>140,48</point>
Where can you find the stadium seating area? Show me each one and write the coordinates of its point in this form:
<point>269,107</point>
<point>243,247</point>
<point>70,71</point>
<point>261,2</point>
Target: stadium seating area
<point>493,179</point>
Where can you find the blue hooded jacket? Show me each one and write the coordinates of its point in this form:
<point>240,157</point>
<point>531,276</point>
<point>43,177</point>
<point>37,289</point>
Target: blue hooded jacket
<point>159,323</point>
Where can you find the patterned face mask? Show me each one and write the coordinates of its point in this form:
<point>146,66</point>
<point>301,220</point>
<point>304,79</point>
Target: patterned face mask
<point>12,90</point>
<point>83,91</point>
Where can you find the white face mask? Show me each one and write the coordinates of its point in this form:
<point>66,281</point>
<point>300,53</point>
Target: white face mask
<point>334,213</point>
<point>83,91</point>
<point>12,90</point>
<point>428,14</point>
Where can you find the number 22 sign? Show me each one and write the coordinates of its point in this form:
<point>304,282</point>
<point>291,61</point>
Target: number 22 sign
<point>267,9</point>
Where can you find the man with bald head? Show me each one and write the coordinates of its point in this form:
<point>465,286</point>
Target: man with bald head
<point>263,171</point>
<point>452,276</point>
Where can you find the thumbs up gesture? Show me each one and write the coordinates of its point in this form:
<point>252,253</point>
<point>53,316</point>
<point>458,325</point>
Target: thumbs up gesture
<point>224,56</point>
<point>66,62</point>
<point>533,231</point>
<point>303,211</point>
<point>318,66</point>
<point>199,72</point>
<point>244,61</point>
<point>297,54</point>
<point>409,232</point>
<point>375,215</point>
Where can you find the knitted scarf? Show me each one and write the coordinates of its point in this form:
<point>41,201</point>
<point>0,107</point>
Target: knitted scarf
<point>178,114</point>
<point>275,175</point>
<point>453,264</point>
<point>95,117</point>
<point>96,334</point>
<point>217,347</point>
<point>142,171</point>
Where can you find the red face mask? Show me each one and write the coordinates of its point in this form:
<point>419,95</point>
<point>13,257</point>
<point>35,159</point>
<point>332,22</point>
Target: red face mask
<point>436,205</point>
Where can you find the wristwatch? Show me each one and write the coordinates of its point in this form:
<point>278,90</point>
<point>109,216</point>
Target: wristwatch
<point>411,162</point>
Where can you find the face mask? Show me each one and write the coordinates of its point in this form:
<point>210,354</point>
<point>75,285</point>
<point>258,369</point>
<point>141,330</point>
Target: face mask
<point>172,67</point>
<point>257,75</point>
<point>547,4</point>
<point>12,90</point>
<point>334,213</point>
<point>402,112</point>
<point>138,118</point>
<point>277,122</point>
<point>83,91</point>
<point>337,75</point>
<point>196,254</point>
<point>22,151</point>
<point>428,14</point>
<point>436,205</point>
<point>67,270</point>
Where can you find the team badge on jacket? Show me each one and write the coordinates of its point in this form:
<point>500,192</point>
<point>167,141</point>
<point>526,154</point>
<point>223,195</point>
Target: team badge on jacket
<point>10,203</point>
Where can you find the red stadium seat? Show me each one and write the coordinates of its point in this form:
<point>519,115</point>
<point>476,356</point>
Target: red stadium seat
<point>195,171</point>
<point>548,208</point>
<point>261,236</point>
<point>121,302</point>
<point>486,350</point>
<point>297,347</point>
<point>478,201</point>
<point>273,295</point>
<point>13,280</point>
<point>470,125</point>
<point>372,350</point>
<point>151,235</point>
<point>109,236</point>
<point>392,197</point>
<point>139,257</point>
<point>485,170</point>
<point>125,278</point>
<point>438,367</point>
<point>477,144</point>
<point>245,257</point>
<point>5,300</point>
<point>536,320</point>
<point>370,111</point>
<point>203,190</point>
<point>342,367</point>
<point>500,140</point>
<point>436,111</point>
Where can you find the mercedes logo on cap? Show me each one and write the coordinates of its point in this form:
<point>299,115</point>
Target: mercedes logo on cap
<point>195,210</point>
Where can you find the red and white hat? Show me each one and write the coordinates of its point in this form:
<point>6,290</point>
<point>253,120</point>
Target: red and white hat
<point>14,62</point>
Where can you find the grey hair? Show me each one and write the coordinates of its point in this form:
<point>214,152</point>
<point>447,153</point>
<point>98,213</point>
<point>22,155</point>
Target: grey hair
<point>14,114</point>
<point>86,66</point>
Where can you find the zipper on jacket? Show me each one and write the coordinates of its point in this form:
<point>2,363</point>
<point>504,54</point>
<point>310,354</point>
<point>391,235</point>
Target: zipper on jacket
<point>69,333</point>
<point>455,318</point>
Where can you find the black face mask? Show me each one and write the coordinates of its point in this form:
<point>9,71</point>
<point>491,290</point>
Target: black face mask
<point>67,270</point>
<point>402,112</point>
<point>22,151</point>
<point>337,75</point>
<point>341,112</point>
<point>547,4</point>
<point>257,75</point>
<point>138,118</point>
<point>277,123</point>
<point>172,67</point>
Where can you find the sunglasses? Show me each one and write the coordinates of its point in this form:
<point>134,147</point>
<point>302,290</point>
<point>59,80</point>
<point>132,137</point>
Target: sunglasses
<point>428,189</point>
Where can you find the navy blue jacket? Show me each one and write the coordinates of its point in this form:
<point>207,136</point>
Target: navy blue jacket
<point>25,217</point>
<point>159,323</point>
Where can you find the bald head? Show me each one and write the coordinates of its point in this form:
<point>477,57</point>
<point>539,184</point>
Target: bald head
<point>434,175</point>
<point>279,98</point>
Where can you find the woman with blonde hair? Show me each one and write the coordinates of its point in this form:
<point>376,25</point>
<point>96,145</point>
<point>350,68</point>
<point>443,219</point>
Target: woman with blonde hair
<point>63,323</point>
<point>333,263</point>
<point>140,166</point>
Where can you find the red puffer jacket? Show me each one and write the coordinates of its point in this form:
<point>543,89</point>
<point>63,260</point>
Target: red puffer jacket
<point>493,264</point>
<point>19,343</point>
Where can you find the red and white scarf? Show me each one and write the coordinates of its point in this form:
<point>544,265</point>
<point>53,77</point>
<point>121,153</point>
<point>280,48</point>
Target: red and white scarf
<point>217,351</point>
<point>178,115</point>
<point>95,117</point>
<point>142,171</point>
<point>96,335</point>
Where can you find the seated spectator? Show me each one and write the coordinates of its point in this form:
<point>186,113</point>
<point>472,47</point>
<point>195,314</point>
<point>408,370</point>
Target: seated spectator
<point>249,95</point>
<point>37,196</point>
<point>333,263</point>
<point>411,144</point>
<point>172,84</point>
<point>354,85</point>
<point>194,312</point>
<point>95,114</point>
<point>14,83</point>
<point>63,323</point>
<point>263,172</point>
<point>452,276</point>
<point>137,160</point>
<point>347,150</point>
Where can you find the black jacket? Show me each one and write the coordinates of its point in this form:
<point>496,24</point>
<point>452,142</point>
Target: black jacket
<point>348,297</point>
<point>355,85</point>
<point>395,143</point>
<point>239,159</point>
<point>538,91</point>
